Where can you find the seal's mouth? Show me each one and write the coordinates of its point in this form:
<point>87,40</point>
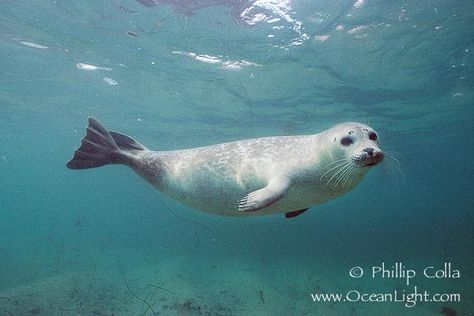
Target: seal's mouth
<point>368,160</point>
<point>374,159</point>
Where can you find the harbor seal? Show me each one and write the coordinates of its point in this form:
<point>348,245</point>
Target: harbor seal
<point>282,174</point>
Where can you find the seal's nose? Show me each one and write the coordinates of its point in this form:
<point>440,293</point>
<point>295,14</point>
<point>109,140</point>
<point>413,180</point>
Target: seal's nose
<point>369,150</point>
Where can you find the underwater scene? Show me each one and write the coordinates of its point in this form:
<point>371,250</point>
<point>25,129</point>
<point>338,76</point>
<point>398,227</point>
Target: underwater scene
<point>236,157</point>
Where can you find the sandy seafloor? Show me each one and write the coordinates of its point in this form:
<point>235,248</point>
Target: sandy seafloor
<point>237,289</point>
<point>181,285</point>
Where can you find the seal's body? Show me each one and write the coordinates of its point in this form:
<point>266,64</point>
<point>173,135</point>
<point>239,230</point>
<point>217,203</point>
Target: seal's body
<point>249,177</point>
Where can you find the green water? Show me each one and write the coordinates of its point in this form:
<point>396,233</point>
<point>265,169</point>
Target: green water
<point>104,242</point>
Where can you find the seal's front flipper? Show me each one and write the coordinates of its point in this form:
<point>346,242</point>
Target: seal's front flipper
<point>295,213</point>
<point>100,147</point>
<point>273,192</point>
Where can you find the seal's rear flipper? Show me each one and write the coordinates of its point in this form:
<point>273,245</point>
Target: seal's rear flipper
<point>100,147</point>
<point>126,142</point>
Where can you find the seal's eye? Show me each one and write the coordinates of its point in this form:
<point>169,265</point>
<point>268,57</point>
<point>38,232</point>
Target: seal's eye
<point>372,136</point>
<point>346,141</point>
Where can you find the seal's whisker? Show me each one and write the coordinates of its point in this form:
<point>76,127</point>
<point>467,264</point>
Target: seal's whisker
<point>335,167</point>
<point>396,168</point>
<point>329,165</point>
<point>342,167</point>
<point>338,180</point>
<point>393,153</point>
<point>348,178</point>
<point>394,161</point>
<point>336,161</point>
<point>339,165</point>
<point>344,174</point>
<point>347,174</point>
<point>354,170</point>
<point>341,174</point>
<point>324,174</point>
<point>397,174</point>
<point>393,156</point>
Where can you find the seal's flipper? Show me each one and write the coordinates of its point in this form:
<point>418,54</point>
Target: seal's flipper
<point>273,192</point>
<point>99,147</point>
<point>126,142</point>
<point>295,213</point>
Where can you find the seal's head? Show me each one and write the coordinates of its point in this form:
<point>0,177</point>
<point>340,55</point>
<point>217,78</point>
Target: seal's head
<point>352,148</point>
<point>361,142</point>
<point>357,142</point>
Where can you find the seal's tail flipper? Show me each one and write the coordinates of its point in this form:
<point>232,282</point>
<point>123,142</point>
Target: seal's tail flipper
<point>100,147</point>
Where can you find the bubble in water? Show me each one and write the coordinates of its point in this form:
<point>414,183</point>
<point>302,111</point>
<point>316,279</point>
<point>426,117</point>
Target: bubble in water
<point>110,81</point>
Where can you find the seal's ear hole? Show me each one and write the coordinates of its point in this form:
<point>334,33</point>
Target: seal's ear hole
<point>346,141</point>
<point>372,136</point>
